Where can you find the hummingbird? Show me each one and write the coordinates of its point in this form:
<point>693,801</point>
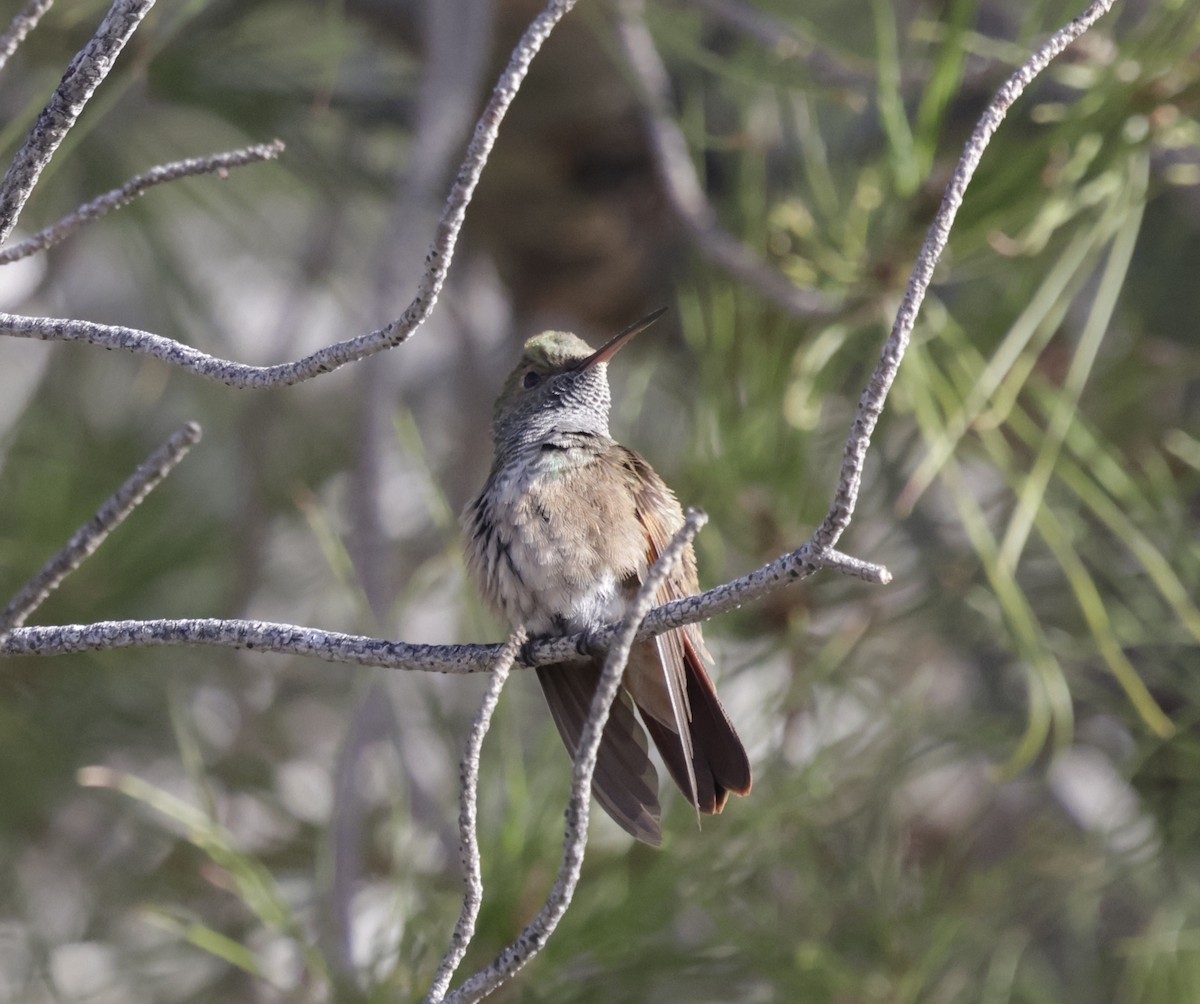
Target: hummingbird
<point>559,540</point>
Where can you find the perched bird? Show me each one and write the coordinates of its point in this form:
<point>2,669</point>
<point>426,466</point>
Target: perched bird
<point>559,540</point>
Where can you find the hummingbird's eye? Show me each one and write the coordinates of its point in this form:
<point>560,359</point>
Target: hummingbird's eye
<point>532,379</point>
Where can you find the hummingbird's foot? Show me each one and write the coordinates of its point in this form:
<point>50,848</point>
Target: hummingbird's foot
<point>526,651</point>
<point>589,643</point>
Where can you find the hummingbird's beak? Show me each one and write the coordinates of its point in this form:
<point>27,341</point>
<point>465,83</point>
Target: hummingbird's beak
<point>614,345</point>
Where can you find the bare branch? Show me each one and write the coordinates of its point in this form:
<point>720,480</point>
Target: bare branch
<point>681,184</point>
<point>92,534</point>
<point>262,636</point>
<point>217,163</point>
<point>856,568</point>
<point>870,405</point>
<point>25,21</point>
<point>89,67</point>
<point>437,263</point>
<point>360,650</point>
<point>534,937</point>
<point>464,930</point>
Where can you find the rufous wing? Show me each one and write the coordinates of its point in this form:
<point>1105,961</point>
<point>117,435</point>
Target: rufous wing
<point>668,678</point>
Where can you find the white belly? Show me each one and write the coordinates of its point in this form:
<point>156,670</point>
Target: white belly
<point>538,569</point>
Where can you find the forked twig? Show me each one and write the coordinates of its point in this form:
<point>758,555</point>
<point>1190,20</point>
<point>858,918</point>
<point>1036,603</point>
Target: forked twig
<point>437,264</point>
<point>362,650</point>
<point>85,73</point>
<point>817,553</point>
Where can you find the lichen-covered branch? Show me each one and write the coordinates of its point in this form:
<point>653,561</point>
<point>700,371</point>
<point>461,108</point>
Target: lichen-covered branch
<point>85,73</point>
<point>819,552</point>
<point>360,650</point>
<point>437,264</point>
<point>639,622</point>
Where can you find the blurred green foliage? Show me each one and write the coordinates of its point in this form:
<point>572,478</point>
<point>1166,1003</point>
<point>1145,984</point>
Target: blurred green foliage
<point>980,784</point>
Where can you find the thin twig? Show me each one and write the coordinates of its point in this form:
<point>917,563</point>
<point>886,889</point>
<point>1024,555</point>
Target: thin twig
<point>92,534</point>
<point>259,636</point>
<point>217,163</point>
<point>437,263</point>
<point>25,21</point>
<point>464,929</point>
<point>531,940</point>
<point>89,67</point>
<point>856,568</point>
<point>678,176</point>
<point>870,405</point>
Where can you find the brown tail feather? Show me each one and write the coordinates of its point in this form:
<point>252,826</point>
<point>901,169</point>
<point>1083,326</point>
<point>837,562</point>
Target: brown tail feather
<point>718,759</point>
<point>625,782</point>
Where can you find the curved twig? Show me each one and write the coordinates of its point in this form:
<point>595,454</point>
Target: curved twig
<point>817,553</point>
<point>437,264</point>
<point>870,405</point>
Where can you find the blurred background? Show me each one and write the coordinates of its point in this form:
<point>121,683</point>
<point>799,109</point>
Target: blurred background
<point>978,784</point>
